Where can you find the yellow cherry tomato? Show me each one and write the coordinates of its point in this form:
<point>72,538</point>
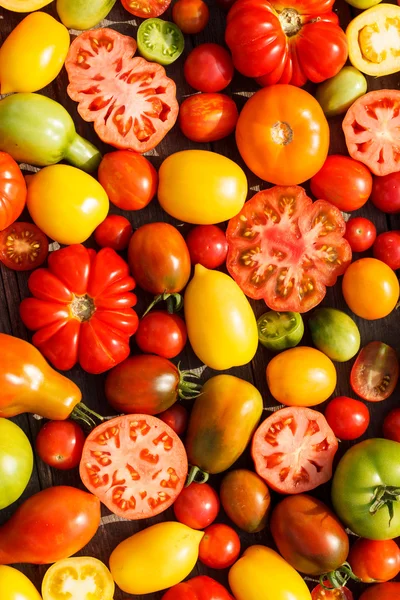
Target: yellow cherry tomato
<point>80,577</point>
<point>156,558</point>
<point>301,376</point>
<point>14,585</point>
<point>221,325</point>
<point>24,5</point>
<point>201,187</point>
<point>66,203</point>
<point>261,574</point>
<point>370,288</point>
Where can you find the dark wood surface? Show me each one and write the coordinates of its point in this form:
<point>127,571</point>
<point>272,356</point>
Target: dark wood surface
<point>13,288</point>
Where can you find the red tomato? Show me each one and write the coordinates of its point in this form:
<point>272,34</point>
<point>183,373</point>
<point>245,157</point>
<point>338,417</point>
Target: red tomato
<point>23,246</point>
<point>12,191</point>
<point>146,8</point>
<point>207,117</point>
<point>129,179</point>
<point>391,425</point>
<point>348,418</point>
<point>344,182</point>
<point>208,68</point>
<point>60,443</point>
<point>387,248</point>
<point>372,133</point>
<point>360,233</point>
<point>161,333</point>
<point>382,591</point>
<point>321,593</point>
<point>286,249</point>
<point>198,588</point>
<point>197,506</point>
<point>191,16</point>
<point>275,450</point>
<point>375,373</point>
<point>386,193</point>
<point>176,416</point>
<point>114,232</point>
<point>220,546</point>
<point>375,561</point>
<point>133,104</point>
<point>207,246</point>
<point>135,464</point>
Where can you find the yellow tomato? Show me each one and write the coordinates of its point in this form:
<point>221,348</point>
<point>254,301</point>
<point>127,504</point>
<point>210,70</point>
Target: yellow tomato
<point>81,577</point>
<point>66,203</point>
<point>370,288</point>
<point>201,187</point>
<point>301,376</point>
<point>261,574</point>
<point>221,325</point>
<point>155,558</point>
<point>374,40</point>
<point>14,585</point>
<point>24,5</point>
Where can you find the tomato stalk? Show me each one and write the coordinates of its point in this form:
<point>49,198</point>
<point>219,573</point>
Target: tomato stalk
<point>174,302</point>
<point>339,577</point>
<point>187,390</point>
<point>86,415</point>
<point>196,475</point>
<point>385,495</point>
<point>290,21</point>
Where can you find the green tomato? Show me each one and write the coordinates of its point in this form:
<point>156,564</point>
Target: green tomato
<point>363,4</point>
<point>160,41</point>
<point>83,14</point>
<point>39,131</point>
<point>334,333</point>
<point>280,330</point>
<point>366,490</point>
<point>16,462</point>
<point>337,94</point>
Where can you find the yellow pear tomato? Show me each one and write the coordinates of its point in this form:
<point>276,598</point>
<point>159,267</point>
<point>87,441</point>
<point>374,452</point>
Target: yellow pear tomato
<point>80,577</point>
<point>156,558</point>
<point>24,5</point>
<point>14,585</point>
<point>221,325</point>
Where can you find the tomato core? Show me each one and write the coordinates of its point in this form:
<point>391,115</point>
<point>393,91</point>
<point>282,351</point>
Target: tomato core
<point>290,21</point>
<point>282,133</point>
<point>372,40</point>
<point>21,246</point>
<point>82,308</point>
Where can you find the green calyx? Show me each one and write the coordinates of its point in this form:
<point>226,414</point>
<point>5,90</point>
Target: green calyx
<point>196,475</point>
<point>338,578</point>
<point>187,390</point>
<point>174,302</point>
<point>385,495</point>
<point>88,417</point>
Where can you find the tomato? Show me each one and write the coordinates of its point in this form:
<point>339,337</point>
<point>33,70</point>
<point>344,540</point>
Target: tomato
<point>334,333</point>
<point>375,373</point>
<point>14,585</point>
<point>191,16</point>
<point>294,276</point>
<point>81,309</point>
<point>219,192</point>
<point>146,8</point>
<point>176,416</point>
<point>279,331</point>
<point>386,193</point>
<point>60,444</point>
<point>208,68</point>
<point>220,546</point>
<point>197,505</point>
<point>371,132</point>
<point>275,450</point>
<point>83,577</point>
<point>283,135</point>
<point>132,112</point>
<point>375,561</point>
<point>170,544</point>
<point>348,418</point>
<point>387,249</point>
<point>207,117</point>
<point>23,5</point>
<point>114,232</point>
<point>222,335</point>
<point>286,43</point>
<point>78,14</point>
<point>338,93</point>
<point>198,588</point>
<point>160,41</point>
<point>16,463</point>
<point>360,233</point>
<point>207,246</point>
<point>246,500</point>
<point>383,591</point>
<point>23,247</point>
<point>33,54</point>
<point>391,425</point>
<point>344,182</point>
<point>321,593</point>
<point>161,333</point>
<point>12,191</point>
<point>360,278</point>
<point>363,4</point>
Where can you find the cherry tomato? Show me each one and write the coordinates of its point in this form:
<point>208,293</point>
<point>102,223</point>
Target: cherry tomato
<point>208,117</point>
<point>208,68</point>
<point>198,588</point>
<point>207,246</point>
<point>161,333</point>
<point>375,373</point>
<point>176,417</point>
<point>23,246</point>
<point>60,444</point>
<point>220,546</point>
<point>114,232</point>
<point>375,561</point>
<point>197,505</point>
<point>360,233</point>
<point>391,425</point>
<point>348,418</point>
<point>321,593</point>
<point>386,193</point>
<point>191,16</point>
<point>146,8</point>
<point>387,248</point>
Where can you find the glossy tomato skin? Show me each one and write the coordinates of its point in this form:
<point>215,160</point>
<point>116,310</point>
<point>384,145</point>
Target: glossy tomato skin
<point>161,333</point>
<point>334,333</point>
<point>14,585</point>
<point>387,249</point>
<point>12,191</point>
<point>391,425</point>
<point>16,462</point>
<point>220,546</point>
<point>382,591</point>
<point>375,372</point>
<point>338,93</point>
<point>375,561</point>
<point>246,500</point>
<point>348,418</point>
<point>79,15</point>
<point>207,246</point>
<point>208,68</point>
<point>320,593</point>
<point>197,505</point>
<point>60,444</point>
<point>198,588</point>
<point>177,417</point>
<point>191,16</point>
<point>360,233</point>
<point>207,117</point>
<point>146,8</point>
<point>386,193</point>
<point>23,246</point>
<point>114,232</point>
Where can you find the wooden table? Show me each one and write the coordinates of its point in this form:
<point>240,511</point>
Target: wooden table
<point>13,288</point>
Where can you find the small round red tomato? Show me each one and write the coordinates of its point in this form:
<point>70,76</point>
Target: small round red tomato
<point>198,588</point>
<point>23,246</point>
<point>146,8</point>
<point>382,591</point>
<point>197,505</point>
<point>342,181</point>
<point>375,373</point>
<point>321,593</point>
<point>220,546</point>
<point>386,193</point>
<point>114,232</point>
<point>207,117</point>
<point>387,248</point>
<point>391,425</point>
<point>360,233</point>
<point>60,444</point>
<point>208,68</point>
<point>161,333</point>
<point>129,179</point>
<point>347,417</point>
<point>375,561</point>
<point>176,417</point>
<point>191,16</point>
<point>207,246</point>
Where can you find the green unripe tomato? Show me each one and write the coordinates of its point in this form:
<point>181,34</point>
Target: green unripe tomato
<point>334,333</point>
<point>337,94</point>
<point>16,462</point>
<point>363,4</point>
<point>280,330</point>
<point>83,14</point>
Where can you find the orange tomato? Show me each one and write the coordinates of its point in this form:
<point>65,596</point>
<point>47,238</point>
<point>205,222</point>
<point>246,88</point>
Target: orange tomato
<point>207,117</point>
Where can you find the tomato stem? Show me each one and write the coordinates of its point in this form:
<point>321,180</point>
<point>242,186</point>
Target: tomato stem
<point>193,473</point>
<point>174,302</point>
<point>385,495</point>
<point>339,577</point>
<point>187,390</point>
<point>88,416</point>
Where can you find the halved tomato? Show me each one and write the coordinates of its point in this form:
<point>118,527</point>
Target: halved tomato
<point>293,450</point>
<point>135,464</point>
<point>23,246</point>
<point>146,8</point>
<point>322,593</point>
<point>372,131</point>
<point>286,249</point>
<point>131,101</point>
<point>375,373</point>
<point>80,577</point>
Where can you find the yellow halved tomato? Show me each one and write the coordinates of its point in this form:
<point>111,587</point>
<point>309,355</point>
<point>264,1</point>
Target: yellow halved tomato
<point>81,577</point>
<point>374,40</point>
<point>24,5</point>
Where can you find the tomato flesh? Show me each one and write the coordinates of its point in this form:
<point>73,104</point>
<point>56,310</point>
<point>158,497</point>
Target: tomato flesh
<point>23,247</point>
<point>279,331</point>
<point>321,593</point>
<point>83,577</point>
<point>146,8</point>
<point>160,41</point>
<point>375,373</point>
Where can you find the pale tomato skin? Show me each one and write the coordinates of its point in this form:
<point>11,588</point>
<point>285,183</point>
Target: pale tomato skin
<point>24,5</point>
<point>207,117</point>
<point>88,569</point>
<point>14,585</point>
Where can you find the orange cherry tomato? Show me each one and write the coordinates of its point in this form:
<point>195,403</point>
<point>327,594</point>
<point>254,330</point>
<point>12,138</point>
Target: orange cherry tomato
<point>208,117</point>
<point>191,16</point>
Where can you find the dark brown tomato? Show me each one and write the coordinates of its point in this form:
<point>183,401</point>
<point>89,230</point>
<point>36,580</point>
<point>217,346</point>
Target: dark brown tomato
<point>245,499</point>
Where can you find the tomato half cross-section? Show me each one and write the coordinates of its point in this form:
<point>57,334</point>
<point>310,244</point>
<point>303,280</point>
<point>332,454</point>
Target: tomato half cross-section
<point>82,309</point>
<point>131,101</point>
<point>286,249</point>
<point>135,464</point>
<point>80,577</point>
